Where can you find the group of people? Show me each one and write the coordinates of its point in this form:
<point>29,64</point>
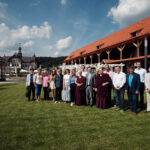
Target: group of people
<point>87,87</point>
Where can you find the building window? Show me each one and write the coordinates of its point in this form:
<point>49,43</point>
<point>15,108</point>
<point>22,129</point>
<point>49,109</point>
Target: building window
<point>81,53</point>
<point>133,34</point>
<point>99,46</point>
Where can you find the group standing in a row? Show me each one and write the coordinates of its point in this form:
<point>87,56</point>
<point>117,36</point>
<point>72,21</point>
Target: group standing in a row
<point>88,87</point>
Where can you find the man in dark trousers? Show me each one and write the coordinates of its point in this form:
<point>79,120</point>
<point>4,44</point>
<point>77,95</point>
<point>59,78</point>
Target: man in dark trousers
<point>142,72</point>
<point>58,80</point>
<point>90,78</point>
<point>132,88</point>
<point>30,84</point>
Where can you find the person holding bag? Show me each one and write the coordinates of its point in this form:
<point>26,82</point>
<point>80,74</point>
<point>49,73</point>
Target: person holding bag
<point>30,85</point>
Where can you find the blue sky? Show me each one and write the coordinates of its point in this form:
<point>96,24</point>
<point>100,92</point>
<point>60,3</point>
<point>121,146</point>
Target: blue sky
<point>58,27</point>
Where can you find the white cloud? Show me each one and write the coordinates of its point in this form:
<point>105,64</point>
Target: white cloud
<point>9,37</point>
<point>63,43</point>
<point>63,2</point>
<point>56,54</point>
<point>3,10</point>
<point>28,44</point>
<point>129,11</point>
<point>36,3</point>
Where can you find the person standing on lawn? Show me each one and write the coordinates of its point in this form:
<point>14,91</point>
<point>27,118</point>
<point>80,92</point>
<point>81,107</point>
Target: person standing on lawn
<point>80,89</point>
<point>46,79</point>
<point>66,91</point>
<point>141,71</point>
<point>116,103</point>
<point>119,80</point>
<point>147,87</point>
<point>110,73</point>
<point>90,78</point>
<point>132,88</point>
<point>52,84</point>
<point>101,87</point>
<point>30,84</point>
<point>58,80</point>
<point>38,83</point>
<point>72,87</point>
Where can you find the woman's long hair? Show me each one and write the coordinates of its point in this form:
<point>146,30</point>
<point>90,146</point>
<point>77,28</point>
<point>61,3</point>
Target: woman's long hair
<point>73,73</point>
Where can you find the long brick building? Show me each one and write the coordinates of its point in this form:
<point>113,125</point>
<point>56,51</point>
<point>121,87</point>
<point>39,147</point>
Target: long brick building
<point>124,46</point>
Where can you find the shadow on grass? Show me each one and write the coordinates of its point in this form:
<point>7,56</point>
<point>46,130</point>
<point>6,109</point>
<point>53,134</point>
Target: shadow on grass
<point>5,86</point>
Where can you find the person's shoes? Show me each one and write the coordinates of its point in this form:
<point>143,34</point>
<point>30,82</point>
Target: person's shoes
<point>147,112</point>
<point>134,113</point>
<point>129,111</point>
<point>59,102</point>
<point>37,100</point>
<point>122,111</point>
<point>115,106</point>
<point>118,108</point>
<point>55,102</point>
<point>71,104</point>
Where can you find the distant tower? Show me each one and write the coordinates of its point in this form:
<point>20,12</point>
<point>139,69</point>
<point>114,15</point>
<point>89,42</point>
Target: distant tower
<point>19,50</point>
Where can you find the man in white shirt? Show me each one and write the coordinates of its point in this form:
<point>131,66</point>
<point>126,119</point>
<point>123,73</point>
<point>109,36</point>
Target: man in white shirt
<point>142,72</point>
<point>84,72</point>
<point>119,80</point>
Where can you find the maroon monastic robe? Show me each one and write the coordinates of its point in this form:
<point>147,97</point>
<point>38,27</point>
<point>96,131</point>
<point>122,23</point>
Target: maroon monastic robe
<point>80,91</point>
<point>102,91</point>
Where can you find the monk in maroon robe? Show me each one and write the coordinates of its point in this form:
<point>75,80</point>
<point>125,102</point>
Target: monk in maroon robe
<point>101,87</point>
<point>80,90</point>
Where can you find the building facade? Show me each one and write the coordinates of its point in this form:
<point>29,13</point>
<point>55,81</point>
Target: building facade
<point>12,63</point>
<point>124,46</point>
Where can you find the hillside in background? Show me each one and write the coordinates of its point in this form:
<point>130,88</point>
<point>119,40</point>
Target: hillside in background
<point>48,62</point>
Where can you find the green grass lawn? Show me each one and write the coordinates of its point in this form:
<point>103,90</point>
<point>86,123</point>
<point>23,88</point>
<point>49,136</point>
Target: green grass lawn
<point>47,126</point>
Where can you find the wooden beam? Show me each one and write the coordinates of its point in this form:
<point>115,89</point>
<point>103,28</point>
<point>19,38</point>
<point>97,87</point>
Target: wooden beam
<point>79,60</point>
<point>108,53</point>
<point>91,57</point>
<point>98,54</point>
<point>137,45</point>
<point>121,48</point>
<point>84,60</point>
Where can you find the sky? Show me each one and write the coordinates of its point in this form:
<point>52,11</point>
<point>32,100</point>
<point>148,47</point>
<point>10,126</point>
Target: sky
<point>58,27</point>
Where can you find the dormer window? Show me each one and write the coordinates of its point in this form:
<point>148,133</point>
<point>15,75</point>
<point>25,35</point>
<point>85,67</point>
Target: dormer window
<point>135,33</point>
<point>99,46</point>
<point>81,53</point>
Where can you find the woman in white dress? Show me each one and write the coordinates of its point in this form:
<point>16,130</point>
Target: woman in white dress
<point>66,91</point>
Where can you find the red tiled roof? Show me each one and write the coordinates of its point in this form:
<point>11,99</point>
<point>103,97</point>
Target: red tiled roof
<point>108,61</point>
<point>142,27</point>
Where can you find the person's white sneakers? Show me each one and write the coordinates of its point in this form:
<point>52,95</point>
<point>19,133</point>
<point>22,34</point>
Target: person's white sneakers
<point>55,102</point>
<point>59,102</point>
<point>71,104</point>
<point>37,100</point>
<point>122,111</point>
